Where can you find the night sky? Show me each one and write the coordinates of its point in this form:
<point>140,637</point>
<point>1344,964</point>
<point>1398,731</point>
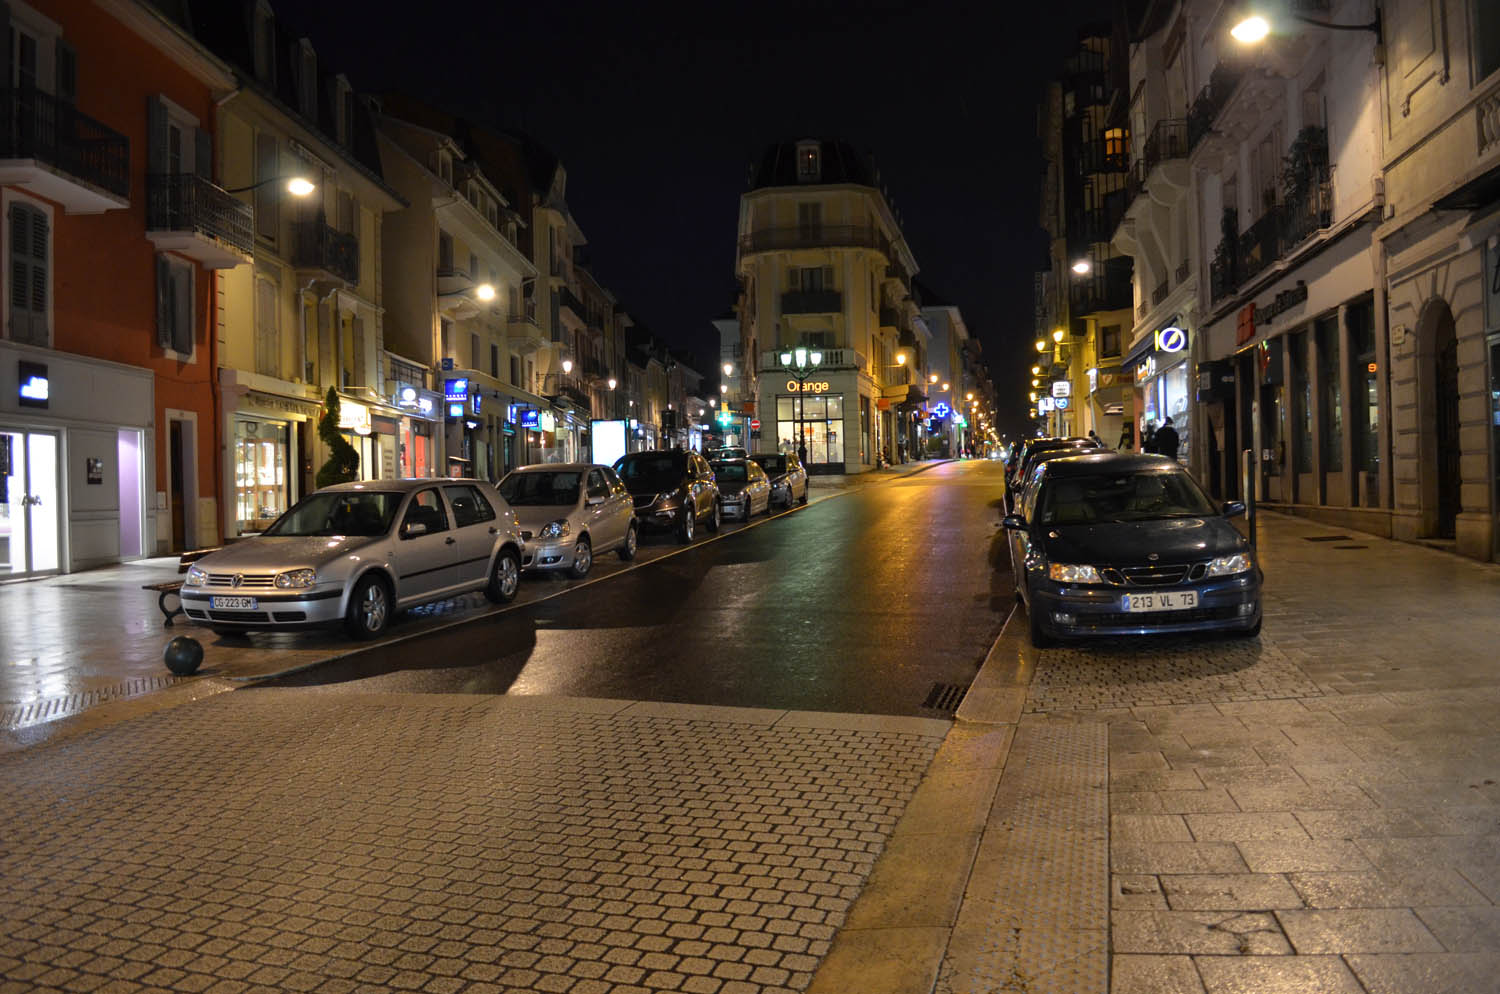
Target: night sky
<point>657,112</point>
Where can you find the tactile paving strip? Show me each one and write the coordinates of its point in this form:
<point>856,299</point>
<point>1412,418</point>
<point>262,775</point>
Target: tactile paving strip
<point>1036,915</point>
<point>52,708</point>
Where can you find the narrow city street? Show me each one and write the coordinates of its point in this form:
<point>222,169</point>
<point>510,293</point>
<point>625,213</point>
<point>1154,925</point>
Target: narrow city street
<point>725,771</point>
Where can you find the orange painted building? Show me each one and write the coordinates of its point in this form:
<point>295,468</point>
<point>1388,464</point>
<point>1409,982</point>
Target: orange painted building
<point>114,233</point>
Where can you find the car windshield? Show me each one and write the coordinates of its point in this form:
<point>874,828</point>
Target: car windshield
<point>772,464</point>
<point>655,471</point>
<point>359,513</point>
<point>730,471</point>
<point>541,488</point>
<point>1121,496</point>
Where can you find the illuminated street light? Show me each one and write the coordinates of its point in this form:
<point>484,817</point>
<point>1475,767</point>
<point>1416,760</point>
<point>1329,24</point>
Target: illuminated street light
<point>1036,370</point>
<point>723,388</point>
<point>1036,382</point>
<point>1041,345</point>
<point>485,292</point>
<point>297,186</point>
<point>1057,336</point>
<point>969,395</point>
<point>1083,267</point>
<point>729,369</point>
<point>932,378</point>
<point>1254,27</point>
<point>613,383</point>
<point>567,365</point>
<point>901,358</point>
<point>945,388</point>
<point>1251,30</point>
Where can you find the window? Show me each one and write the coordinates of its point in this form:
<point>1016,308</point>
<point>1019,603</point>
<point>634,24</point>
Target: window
<point>473,266</point>
<point>445,168</point>
<point>445,251</point>
<point>1109,340</point>
<point>347,103</point>
<point>267,330</point>
<point>1331,406</point>
<point>473,351</point>
<point>1268,170</point>
<point>67,72</point>
<point>174,305</point>
<point>494,360</point>
<point>469,506</point>
<point>810,221</point>
<point>445,334</point>
<point>597,486</point>
<point>426,510</point>
<point>809,163</point>
<point>1312,104</point>
<point>30,274</point>
<point>515,370</point>
<point>265,45</point>
<point>810,277</point>
<point>25,54</point>
<point>1486,38</point>
<point>267,198</point>
<point>1301,401</point>
<point>1363,378</point>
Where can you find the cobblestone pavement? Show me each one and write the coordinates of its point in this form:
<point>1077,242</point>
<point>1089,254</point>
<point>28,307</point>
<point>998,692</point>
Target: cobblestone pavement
<point>1314,810</point>
<point>273,841</point>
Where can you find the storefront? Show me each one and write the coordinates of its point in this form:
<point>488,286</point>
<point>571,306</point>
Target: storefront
<point>1111,406</point>
<point>416,434</point>
<point>1160,366</point>
<point>76,457</point>
<point>270,452</point>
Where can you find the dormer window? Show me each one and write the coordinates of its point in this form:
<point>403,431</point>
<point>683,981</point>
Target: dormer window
<point>344,108</point>
<point>307,79</point>
<point>445,167</point>
<point>809,162</point>
<point>265,44</point>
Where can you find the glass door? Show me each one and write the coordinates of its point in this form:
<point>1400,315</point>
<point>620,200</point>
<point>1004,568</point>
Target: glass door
<point>29,503</point>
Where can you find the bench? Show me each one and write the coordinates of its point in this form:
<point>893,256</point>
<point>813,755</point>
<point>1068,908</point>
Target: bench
<point>163,591</point>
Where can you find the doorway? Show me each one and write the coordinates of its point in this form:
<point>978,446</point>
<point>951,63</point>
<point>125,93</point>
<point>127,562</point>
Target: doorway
<point>182,478</point>
<point>30,503</point>
<point>1449,472</point>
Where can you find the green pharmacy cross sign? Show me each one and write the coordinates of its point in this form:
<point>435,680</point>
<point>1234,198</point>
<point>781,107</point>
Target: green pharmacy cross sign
<point>724,417</point>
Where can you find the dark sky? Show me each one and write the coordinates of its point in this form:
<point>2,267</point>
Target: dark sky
<point>658,110</point>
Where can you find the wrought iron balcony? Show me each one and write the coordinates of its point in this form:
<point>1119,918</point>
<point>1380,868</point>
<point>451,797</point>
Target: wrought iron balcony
<point>816,236</point>
<point>812,302</point>
<point>770,361</point>
<point>1282,228</point>
<point>1210,100</point>
<point>1168,140</point>
<point>186,213</point>
<point>890,317</point>
<point>84,165</point>
<point>1107,288</point>
<point>568,299</point>
<point>317,245</point>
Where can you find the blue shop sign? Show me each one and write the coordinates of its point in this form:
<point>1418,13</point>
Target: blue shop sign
<point>531,418</point>
<point>941,410</point>
<point>456,391</point>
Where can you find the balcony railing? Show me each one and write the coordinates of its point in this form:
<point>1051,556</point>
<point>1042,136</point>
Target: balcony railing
<point>895,271</point>
<point>187,202</point>
<point>1210,100</point>
<point>1107,288</point>
<point>1168,140</point>
<point>889,318</point>
<point>770,361</point>
<point>812,302</point>
<point>316,245</point>
<point>1182,272</point>
<point>1104,156</point>
<point>37,125</point>
<point>567,298</point>
<point>1160,293</point>
<point>816,236</point>
<point>1282,228</point>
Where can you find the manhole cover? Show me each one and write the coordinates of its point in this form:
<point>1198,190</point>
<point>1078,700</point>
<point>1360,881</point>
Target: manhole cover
<point>944,697</point>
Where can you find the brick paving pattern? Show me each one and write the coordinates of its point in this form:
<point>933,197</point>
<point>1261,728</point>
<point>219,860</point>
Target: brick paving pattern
<point>1316,810</point>
<point>268,840</point>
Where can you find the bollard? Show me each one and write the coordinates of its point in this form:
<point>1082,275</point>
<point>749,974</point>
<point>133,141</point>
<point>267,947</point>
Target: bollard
<point>183,655</point>
<point>1247,487</point>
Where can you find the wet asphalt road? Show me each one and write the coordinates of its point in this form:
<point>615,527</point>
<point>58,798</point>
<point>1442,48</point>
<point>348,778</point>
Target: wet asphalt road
<point>859,603</point>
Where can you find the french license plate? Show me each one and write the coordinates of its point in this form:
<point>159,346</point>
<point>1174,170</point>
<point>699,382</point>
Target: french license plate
<point>1160,600</point>
<point>233,603</point>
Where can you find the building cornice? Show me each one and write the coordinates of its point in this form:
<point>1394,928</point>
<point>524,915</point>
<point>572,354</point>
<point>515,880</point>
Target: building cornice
<point>173,42</point>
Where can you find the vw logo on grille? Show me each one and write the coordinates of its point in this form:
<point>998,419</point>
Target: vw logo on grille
<point>239,578</point>
<point>1153,557</point>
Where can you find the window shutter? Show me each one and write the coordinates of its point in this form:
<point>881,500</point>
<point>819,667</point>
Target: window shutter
<point>203,154</point>
<point>794,278</point>
<point>156,135</point>
<point>39,276</point>
<point>182,301</point>
<point>28,274</point>
<point>66,63</point>
<point>164,307</point>
<point>828,277</point>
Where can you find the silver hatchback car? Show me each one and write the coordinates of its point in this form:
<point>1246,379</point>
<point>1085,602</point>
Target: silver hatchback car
<point>571,512</point>
<point>356,553</point>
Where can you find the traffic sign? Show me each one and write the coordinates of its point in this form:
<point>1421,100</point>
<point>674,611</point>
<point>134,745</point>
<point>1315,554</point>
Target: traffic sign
<point>755,424</point>
<point>1061,402</point>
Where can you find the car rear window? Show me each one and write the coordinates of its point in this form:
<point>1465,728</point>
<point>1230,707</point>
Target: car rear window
<point>1099,498</point>
<point>730,470</point>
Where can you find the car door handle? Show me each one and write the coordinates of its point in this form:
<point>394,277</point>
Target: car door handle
<point>449,540</point>
<point>494,530</point>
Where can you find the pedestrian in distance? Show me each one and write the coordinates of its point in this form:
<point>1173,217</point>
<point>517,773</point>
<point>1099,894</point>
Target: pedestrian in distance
<point>1127,438</point>
<point>1166,440</point>
<point>1148,444</point>
<point>1095,439</point>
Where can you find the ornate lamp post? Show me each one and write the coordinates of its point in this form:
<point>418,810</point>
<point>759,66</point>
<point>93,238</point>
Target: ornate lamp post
<point>800,363</point>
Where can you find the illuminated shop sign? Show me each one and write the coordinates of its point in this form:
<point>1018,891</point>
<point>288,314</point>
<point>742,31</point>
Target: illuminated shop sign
<point>941,410</point>
<point>1171,339</point>
<point>354,417</point>
<point>1061,402</point>
<point>32,380</point>
<point>456,410</point>
<point>531,418</point>
<point>1062,388</point>
<point>811,386</point>
<point>456,390</point>
<point>1045,405</point>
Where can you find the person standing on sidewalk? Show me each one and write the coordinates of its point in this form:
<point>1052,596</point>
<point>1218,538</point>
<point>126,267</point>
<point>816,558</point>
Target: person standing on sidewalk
<point>1166,440</point>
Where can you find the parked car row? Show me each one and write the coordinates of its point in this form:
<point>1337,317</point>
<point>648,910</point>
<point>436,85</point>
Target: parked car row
<point>356,553</point>
<point>1113,544</point>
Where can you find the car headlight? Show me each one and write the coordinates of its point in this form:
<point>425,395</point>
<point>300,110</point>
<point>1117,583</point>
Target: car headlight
<point>1069,573</point>
<point>296,578</point>
<point>1240,562</point>
<point>195,577</point>
<point>554,529</point>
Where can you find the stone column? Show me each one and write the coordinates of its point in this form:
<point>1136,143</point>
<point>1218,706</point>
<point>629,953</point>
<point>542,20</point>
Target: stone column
<point>1346,395</point>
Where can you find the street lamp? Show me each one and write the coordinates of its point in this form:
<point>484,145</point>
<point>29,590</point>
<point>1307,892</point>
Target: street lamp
<point>1254,26</point>
<point>1083,267</point>
<point>1041,345</point>
<point>1057,336</point>
<point>613,383</point>
<point>800,364</point>
<point>567,365</point>
<point>297,186</point>
<point>729,369</point>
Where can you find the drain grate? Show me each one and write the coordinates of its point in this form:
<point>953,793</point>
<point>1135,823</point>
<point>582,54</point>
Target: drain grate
<point>1325,538</point>
<point>945,697</point>
<point>1351,546</point>
<point>52,708</point>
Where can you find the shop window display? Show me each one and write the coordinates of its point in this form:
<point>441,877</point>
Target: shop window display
<point>822,423</point>
<point>260,449</point>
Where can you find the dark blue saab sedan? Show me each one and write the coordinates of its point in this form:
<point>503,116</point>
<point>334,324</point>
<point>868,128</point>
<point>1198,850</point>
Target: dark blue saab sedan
<point>1112,544</point>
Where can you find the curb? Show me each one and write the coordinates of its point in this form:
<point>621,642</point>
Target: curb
<point>897,932</point>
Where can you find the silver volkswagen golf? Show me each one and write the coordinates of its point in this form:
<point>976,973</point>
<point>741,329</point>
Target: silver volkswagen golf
<point>358,552</point>
<point>571,512</point>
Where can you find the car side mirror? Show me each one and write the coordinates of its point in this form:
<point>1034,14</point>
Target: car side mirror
<point>1233,508</point>
<point>1014,522</point>
<point>412,529</point>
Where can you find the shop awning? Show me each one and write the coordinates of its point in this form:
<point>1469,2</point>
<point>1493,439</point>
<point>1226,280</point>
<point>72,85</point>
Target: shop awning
<point>1138,352</point>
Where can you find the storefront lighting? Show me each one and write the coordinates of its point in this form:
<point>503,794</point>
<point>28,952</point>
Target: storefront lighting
<point>723,388</point>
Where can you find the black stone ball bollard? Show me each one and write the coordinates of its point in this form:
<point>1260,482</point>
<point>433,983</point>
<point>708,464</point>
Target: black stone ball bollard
<point>183,655</point>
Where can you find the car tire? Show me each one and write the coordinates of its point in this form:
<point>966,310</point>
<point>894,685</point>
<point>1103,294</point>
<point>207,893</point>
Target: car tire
<point>505,578</point>
<point>804,494</point>
<point>1251,632</point>
<point>627,548</point>
<point>1040,637</point>
<point>583,553</point>
<point>370,608</point>
<point>713,516</point>
<point>688,525</point>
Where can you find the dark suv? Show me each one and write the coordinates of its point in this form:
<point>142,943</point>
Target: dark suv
<point>672,490</point>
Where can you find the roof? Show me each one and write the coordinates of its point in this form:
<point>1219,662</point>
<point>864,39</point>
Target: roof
<point>1092,462</point>
<point>399,486</point>
<point>549,467</point>
<point>841,163</point>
